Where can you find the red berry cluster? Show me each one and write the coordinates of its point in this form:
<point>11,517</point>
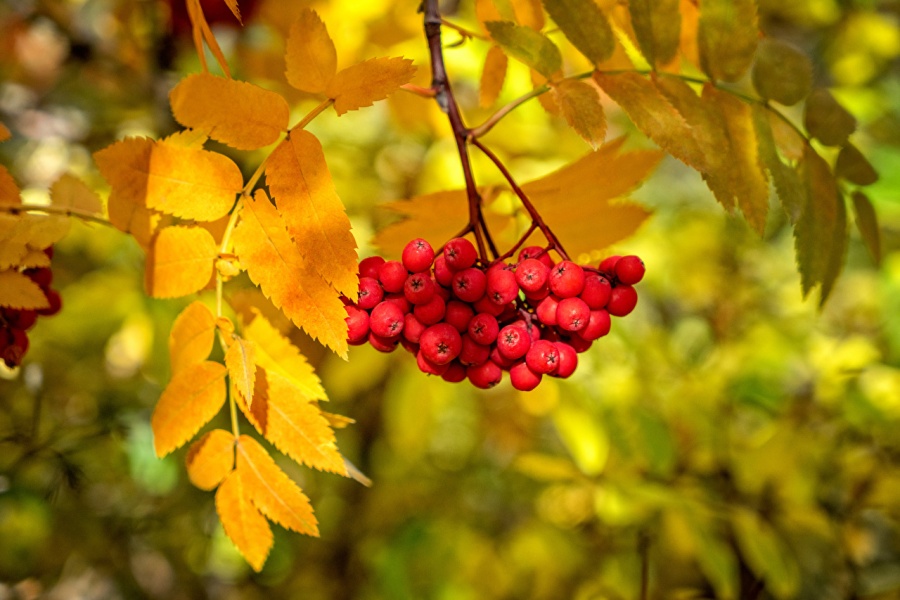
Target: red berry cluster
<point>465,321</point>
<point>15,322</point>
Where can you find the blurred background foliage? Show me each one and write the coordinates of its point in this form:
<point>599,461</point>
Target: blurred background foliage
<point>726,440</point>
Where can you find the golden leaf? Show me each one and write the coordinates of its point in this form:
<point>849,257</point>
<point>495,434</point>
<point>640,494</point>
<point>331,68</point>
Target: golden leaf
<point>493,76</point>
<point>310,55</point>
<point>239,358</point>
<point>201,32</point>
<point>33,258</point>
<point>727,37</point>
<point>286,417</point>
<point>236,113</point>
<point>337,421</point>
<point>210,459</point>
<point>298,179</point>
<point>529,13</point>
<point>369,81</point>
<point>272,491</point>
<point>187,138</point>
<point>19,234</point>
<point>579,103</point>
<point>233,7</point>
<point>71,192</point>
<point>192,336</point>
<point>186,182</point>
<point>9,190</point>
<point>181,262</point>
<point>277,354</point>
<point>191,399</point>
<point>19,291</point>
<point>243,523</point>
<point>273,262</point>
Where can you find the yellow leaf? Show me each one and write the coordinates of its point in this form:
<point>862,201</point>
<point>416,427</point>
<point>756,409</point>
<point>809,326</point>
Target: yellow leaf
<point>286,417</point>
<point>241,366</point>
<point>236,113</point>
<point>33,258</point>
<point>210,459</point>
<point>192,336</point>
<point>242,522</point>
<point>9,190</point>
<point>19,234</point>
<point>337,421</point>
<point>369,81</point>
<point>529,13</point>
<point>657,27</point>
<point>493,76</point>
<point>299,180</point>
<point>266,251</point>
<point>191,399</point>
<point>181,262</point>
<point>272,491</point>
<point>71,192</point>
<point>310,55</point>
<point>186,182</point>
<point>187,138</point>
<point>18,291</point>
<point>585,25</point>
<point>4,133</point>
<point>727,37</point>
<point>277,354</point>
<point>579,103</point>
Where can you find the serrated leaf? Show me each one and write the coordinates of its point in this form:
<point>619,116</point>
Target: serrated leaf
<point>181,262</point>
<point>585,25</point>
<point>192,336</point>
<point>767,556</point>
<point>579,103</point>
<point>233,7</point>
<point>786,179</point>
<point>867,223</point>
<point>210,459</point>
<point>71,192</point>
<point>781,72</point>
<point>492,77</point>
<point>527,45</point>
<point>284,415</point>
<point>657,27</point>
<point>854,167</point>
<point>301,184</point>
<point>272,491</point>
<point>365,83</point>
<point>727,37</point>
<point>192,398</point>
<point>187,138</point>
<point>33,258</point>
<point>826,120</point>
<point>310,54</point>
<point>243,523</point>
<point>9,190</point>
<point>185,182</point>
<point>266,251</point>
<point>22,233</point>
<point>240,360</point>
<point>277,354</point>
<point>19,291</point>
<point>236,113</point>
<point>337,421</point>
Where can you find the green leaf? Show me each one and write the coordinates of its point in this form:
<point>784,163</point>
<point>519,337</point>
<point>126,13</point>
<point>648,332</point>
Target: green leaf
<point>727,37</point>
<point>781,72</point>
<point>527,45</point>
<point>657,25</point>
<point>579,103</point>
<point>826,120</point>
<point>786,179</point>
<point>585,25</point>
<point>715,557</point>
<point>584,437</point>
<point>766,553</point>
<point>854,167</point>
<point>867,223</point>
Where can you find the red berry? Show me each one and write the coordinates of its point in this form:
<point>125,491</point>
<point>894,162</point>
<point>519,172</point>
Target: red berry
<point>535,252</point>
<point>357,325</point>
<point>546,311</point>
<point>513,342</point>
<point>566,279</point>
<point>568,360</point>
<point>408,345</point>
<point>469,284</point>
<point>440,343</point>
<point>543,357</point>
<point>419,288</point>
<point>42,276</point>
<point>455,372</point>
<point>485,375</point>
<point>55,301</point>
<point>501,286</point>
<point>622,300</point>
<point>400,300</point>
<point>523,378</point>
<point>459,314</point>
<point>472,352</point>
<point>417,256</point>
<point>386,320</point>
<point>383,344</point>
<point>572,314</point>
<point>484,328</point>
<point>608,265</point>
<point>392,275</point>
<point>368,267</point>
<point>412,328</point>
<point>484,305</point>
<point>460,254</point>
<point>579,343</point>
<point>432,311</point>
<point>532,275</point>
<point>443,292</point>
<point>629,269</point>
<point>596,291</point>
<point>370,293</point>
<point>535,297</point>
<point>428,367</point>
<point>598,326</point>
<point>19,319</point>
<point>442,273</point>
<point>500,360</point>
<point>16,347</point>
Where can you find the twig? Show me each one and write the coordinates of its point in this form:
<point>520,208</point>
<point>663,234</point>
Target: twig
<point>56,210</point>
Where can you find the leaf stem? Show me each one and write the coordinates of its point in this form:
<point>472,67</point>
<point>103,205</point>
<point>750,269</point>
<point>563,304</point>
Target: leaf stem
<point>56,210</point>
<point>312,114</point>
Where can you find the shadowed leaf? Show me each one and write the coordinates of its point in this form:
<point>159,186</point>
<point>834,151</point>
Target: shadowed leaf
<point>854,167</point>
<point>585,25</point>
<point>527,45</point>
<point>727,37</point>
<point>781,72</point>
<point>826,120</point>
<point>867,223</point>
<point>657,26</point>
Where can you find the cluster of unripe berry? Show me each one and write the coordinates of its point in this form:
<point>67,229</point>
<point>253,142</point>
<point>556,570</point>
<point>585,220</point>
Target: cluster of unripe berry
<point>15,322</point>
<point>466,321</point>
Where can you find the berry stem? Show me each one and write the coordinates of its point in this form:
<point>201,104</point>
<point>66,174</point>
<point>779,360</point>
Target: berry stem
<point>520,243</point>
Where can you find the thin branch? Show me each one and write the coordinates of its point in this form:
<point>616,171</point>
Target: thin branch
<point>477,132</point>
<point>466,33</point>
<point>418,90</point>
<point>56,210</point>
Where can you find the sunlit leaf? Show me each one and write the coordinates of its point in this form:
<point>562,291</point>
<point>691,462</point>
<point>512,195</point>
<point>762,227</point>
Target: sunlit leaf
<point>181,262</point>
<point>192,398</point>
<point>192,336</point>
<point>867,223</point>
<point>210,459</point>
<point>18,291</point>
<point>767,556</point>
<point>22,233</point>
<point>782,72</point>
<point>585,25</point>
<point>310,54</point>
<point>489,10</point>
<point>579,103</point>
<point>271,491</point>
<point>826,120</point>
<point>492,77</point>
<point>727,37</point>
<point>9,190</point>
<point>71,192</point>
<point>527,45</point>
<point>657,26</point>
<point>528,12</point>
<point>301,184</point>
<point>243,523</point>
<point>854,167</point>
<point>240,360</point>
<point>365,83</point>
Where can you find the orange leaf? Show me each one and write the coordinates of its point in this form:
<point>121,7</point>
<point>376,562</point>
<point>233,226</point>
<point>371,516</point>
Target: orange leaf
<point>493,76</point>
<point>181,262</point>
<point>22,233</point>
<point>271,491</point>
<point>273,262</point>
<point>9,190</point>
<point>233,7</point>
<point>237,113</point>
<point>71,192</point>
<point>241,366</point>
<point>210,459</point>
<point>310,55</point>
<point>286,417</point>
<point>185,182</point>
<point>299,180</point>
<point>579,103</point>
<point>19,291</point>
<point>369,81</point>
<point>242,522</point>
<point>4,133</point>
<point>201,32</point>
<point>191,399</point>
<point>192,336</point>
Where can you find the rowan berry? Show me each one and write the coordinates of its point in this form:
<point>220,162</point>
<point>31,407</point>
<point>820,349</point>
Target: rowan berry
<point>484,328</point>
<point>572,314</point>
<point>400,300</point>
<point>15,349</point>
<point>630,269</point>
<point>442,273</point>
<point>501,286</point>
<point>383,344</point>
<point>428,367</point>
<point>523,378</point>
<point>500,360</point>
<point>485,375</point>
<point>513,342</point>
<point>566,279</point>
<point>596,291</point>
<point>432,311</point>
<point>412,328</point>
<point>579,343</point>
<point>41,276</point>
<point>392,275</point>
<point>455,372</point>
<point>608,265</point>
<point>598,326</point>
<point>622,300</point>
<point>419,288</point>
<point>357,325</point>
<point>536,252</point>
<point>19,319</point>
<point>440,343</point>
<point>485,305</point>
<point>368,267</point>
<point>459,314</point>
<point>568,360</point>
<point>543,357</point>
<point>55,301</point>
<point>386,320</point>
<point>417,256</point>
<point>469,284</point>
<point>370,293</point>
<point>546,311</point>
<point>460,254</point>
<point>532,275</point>
<point>473,353</point>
